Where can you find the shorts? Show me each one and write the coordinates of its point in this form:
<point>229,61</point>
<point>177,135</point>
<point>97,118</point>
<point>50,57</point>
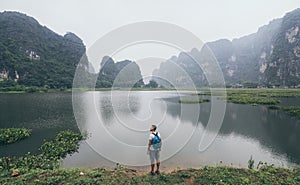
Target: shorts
<point>154,156</point>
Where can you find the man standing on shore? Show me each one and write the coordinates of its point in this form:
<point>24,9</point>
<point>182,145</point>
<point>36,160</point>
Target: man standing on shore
<point>154,147</point>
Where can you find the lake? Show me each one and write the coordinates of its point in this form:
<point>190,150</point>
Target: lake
<point>117,124</point>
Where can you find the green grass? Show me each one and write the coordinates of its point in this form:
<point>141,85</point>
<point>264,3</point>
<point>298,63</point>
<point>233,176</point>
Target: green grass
<point>268,97</point>
<point>274,107</point>
<point>12,135</point>
<point>206,175</point>
<point>273,93</point>
<point>293,111</point>
<point>192,100</point>
<point>249,99</point>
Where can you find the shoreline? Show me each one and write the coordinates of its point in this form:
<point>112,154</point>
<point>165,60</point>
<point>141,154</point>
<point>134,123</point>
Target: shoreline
<point>119,175</point>
<point>42,90</point>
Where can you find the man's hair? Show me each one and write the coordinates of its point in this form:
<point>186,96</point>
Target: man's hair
<point>154,127</point>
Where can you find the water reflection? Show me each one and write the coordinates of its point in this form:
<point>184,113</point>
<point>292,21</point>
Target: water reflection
<point>46,114</point>
<point>273,129</point>
<point>122,102</point>
<point>269,136</point>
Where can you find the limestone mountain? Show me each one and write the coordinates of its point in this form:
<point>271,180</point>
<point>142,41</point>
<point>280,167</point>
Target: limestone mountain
<point>269,57</point>
<point>33,55</point>
<point>119,74</point>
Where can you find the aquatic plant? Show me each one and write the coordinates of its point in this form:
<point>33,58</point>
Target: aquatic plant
<point>274,107</point>
<point>251,163</point>
<point>191,101</point>
<point>292,110</point>
<point>12,135</point>
<point>249,99</point>
<point>65,142</point>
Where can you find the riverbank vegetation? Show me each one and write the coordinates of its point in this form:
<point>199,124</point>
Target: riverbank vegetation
<point>192,100</point>
<point>292,110</point>
<point>12,135</point>
<point>50,156</point>
<point>44,168</point>
<point>267,97</point>
<point>206,175</point>
<point>249,99</point>
<point>252,92</point>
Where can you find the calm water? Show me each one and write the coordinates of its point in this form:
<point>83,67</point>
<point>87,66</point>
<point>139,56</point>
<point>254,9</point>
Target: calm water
<point>118,129</point>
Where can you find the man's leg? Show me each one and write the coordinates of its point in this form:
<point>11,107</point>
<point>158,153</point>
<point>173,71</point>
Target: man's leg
<point>152,167</point>
<point>152,160</point>
<point>157,157</point>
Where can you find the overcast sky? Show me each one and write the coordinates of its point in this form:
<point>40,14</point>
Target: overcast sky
<point>209,20</point>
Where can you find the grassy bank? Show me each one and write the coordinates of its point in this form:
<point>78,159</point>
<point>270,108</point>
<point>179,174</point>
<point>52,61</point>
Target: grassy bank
<point>215,91</point>
<point>206,175</point>
<point>44,168</point>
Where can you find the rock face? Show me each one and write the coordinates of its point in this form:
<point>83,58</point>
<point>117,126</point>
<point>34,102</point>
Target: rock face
<point>283,67</point>
<point>269,57</point>
<point>120,74</point>
<point>33,55</point>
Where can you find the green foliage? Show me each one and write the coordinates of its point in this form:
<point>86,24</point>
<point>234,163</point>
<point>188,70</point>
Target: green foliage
<point>270,93</point>
<point>151,84</point>
<point>251,163</point>
<point>28,162</point>
<point>208,175</point>
<point>260,96</point>
<point>7,83</point>
<point>11,135</point>
<point>57,58</point>
<point>66,142</point>
<point>103,84</point>
<point>248,99</point>
<point>125,74</point>
<point>250,84</point>
<point>191,101</point>
<point>293,111</point>
<point>274,107</point>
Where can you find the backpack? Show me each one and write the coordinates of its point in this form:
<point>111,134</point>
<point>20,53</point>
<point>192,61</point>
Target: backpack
<point>156,141</point>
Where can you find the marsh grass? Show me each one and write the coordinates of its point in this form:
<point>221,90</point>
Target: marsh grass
<point>192,100</point>
<point>267,97</point>
<point>292,110</point>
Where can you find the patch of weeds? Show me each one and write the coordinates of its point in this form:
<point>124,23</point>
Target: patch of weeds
<point>191,101</point>
<point>12,135</point>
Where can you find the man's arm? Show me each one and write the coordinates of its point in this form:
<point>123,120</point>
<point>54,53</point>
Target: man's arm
<point>149,144</point>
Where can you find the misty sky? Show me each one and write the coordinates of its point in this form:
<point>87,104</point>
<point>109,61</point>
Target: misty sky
<point>209,20</point>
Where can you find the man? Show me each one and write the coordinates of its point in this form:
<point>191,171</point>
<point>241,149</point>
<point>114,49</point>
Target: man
<point>154,147</point>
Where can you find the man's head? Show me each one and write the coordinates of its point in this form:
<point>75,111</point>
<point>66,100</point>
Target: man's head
<point>153,128</point>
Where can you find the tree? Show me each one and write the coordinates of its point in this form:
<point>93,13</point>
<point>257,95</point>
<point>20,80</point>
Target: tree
<point>152,84</point>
